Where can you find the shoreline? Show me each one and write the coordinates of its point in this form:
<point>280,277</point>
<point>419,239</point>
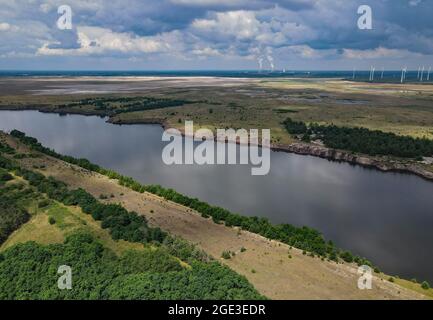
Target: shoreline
<point>299,148</point>
<point>319,152</point>
<point>331,280</point>
<point>163,124</point>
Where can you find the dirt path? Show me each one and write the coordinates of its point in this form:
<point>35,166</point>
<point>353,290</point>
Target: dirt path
<point>265,263</point>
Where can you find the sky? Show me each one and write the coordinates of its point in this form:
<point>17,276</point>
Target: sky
<point>215,35</point>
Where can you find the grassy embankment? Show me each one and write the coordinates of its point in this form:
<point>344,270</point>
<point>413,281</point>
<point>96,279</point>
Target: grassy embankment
<point>120,257</point>
<point>307,277</point>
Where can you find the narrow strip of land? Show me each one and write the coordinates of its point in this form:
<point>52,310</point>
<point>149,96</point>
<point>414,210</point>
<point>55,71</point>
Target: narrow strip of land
<point>272,267</point>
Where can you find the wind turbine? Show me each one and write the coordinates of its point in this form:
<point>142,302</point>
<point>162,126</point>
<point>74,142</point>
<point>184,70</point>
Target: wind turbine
<point>422,73</point>
<point>383,70</point>
<point>372,73</point>
<point>403,74</point>
<point>419,70</point>
<point>354,71</point>
<point>428,74</point>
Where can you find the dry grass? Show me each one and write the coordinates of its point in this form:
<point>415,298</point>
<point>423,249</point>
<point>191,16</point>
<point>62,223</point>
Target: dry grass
<point>37,229</point>
<point>68,220</point>
<point>265,263</point>
<point>250,103</point>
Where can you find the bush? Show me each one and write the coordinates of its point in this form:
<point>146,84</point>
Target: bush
<point>51,220</point>
<point>346,256</point>
<point>5,176</point>
<point>425,285</point>
<point>6,149</point>
<point>295,127</point>
<point>226,255</point>
<point>44,203</point>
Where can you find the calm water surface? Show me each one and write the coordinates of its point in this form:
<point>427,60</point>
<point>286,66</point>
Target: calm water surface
<point>386,217</point>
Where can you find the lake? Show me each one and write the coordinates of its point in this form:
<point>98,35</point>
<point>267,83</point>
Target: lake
<point>385,217</point>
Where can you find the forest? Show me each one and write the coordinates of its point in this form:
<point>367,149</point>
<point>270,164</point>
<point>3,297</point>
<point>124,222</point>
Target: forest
<point>362,140</point>
<point>29,270</point>
<point>12,213</point>
<point>111,106</point>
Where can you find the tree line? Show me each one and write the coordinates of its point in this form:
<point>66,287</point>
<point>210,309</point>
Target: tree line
<point>12,212</point>
<point>112,105</point>
<point>362,140</point>
<point>303,238</point>
<point>29,270</point>
<point>128,226</point>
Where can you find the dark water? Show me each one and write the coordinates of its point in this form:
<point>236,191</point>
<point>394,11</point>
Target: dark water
<point>393,76</point>
<point>386,217</point>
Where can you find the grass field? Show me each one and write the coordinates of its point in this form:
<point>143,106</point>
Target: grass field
<point>402,109</point>
<point>266,104</point>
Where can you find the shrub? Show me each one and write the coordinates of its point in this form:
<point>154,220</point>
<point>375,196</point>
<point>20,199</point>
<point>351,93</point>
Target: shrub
<point>51,220</point>
<point>346,256</point>
<point>425,285</point>
<point>226,255</point>
<point>5,176</point>
<point>44,203</point>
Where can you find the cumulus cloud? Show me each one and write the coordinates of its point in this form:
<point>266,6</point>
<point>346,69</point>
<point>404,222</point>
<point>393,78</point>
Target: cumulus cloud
<point>259,31</point>
<point>96,40</point>
<point>414,3</point>
<point>4,26</point>
<point>379,53</point>
<point>241,25</point>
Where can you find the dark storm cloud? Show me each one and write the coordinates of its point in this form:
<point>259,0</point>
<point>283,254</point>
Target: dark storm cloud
<point>244,28</point>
